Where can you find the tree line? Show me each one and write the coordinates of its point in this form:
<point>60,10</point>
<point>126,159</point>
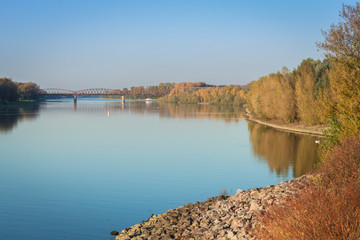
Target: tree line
<point>327,91</point>
<point>297,96</point>
<point>318,92</point>
<point>141,92</point>
<point>15,91</point>
<point>201,92</point>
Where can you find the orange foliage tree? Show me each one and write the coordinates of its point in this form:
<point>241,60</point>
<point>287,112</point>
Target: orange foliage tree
<point>204,93</point>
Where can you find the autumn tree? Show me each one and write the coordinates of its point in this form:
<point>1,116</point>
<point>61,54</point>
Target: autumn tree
<point>8,90</point>
<point>306,92</point>
<point>29,91</point>
<point>272,97</point>
<point>166,86</point>
<point>200,92</point>
<point>342,48</point>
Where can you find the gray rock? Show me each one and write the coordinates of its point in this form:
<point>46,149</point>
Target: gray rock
<point>216,218</point>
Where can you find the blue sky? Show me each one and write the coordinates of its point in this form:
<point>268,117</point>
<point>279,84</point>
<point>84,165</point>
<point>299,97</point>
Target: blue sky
<point>78,44</point>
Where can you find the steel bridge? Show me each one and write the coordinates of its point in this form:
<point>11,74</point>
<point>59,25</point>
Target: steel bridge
<point>106,91</point>
<point>101,92</point>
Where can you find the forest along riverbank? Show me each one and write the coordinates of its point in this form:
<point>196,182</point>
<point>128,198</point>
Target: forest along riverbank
<point>297,128</point>
<point>221,217</point>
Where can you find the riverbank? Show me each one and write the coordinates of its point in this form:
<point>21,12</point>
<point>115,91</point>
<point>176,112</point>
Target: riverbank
<point>234,217</point>
<point>290,127</point>
<point>20,103</point>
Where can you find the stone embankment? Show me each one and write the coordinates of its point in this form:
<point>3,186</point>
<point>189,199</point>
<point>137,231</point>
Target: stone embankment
<point>220,217</point>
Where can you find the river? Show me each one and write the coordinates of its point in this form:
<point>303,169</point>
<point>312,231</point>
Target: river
<point>79,171</point>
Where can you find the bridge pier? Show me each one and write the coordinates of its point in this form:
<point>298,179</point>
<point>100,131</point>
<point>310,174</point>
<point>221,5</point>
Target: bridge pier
<point>75,98</point>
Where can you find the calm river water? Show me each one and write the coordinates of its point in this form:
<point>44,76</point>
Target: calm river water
<point>79,171</point>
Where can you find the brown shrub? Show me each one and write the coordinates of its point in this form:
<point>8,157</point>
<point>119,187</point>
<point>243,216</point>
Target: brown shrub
<point>316,214</point>
<point>343,164</point>
<point>329,208</point>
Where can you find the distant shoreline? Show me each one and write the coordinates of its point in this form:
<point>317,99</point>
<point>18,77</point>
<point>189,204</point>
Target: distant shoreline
<point>20,103</point>
<point>291,127</point>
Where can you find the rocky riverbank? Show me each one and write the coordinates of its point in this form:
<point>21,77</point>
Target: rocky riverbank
<point>220,217</point>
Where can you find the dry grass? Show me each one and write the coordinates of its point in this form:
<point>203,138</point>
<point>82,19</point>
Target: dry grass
<point>329,208</point>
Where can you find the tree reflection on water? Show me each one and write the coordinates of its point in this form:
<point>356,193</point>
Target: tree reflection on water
<point>284,151</point>
<point>188,111</point>
<point>11,115</point>
<point>164,110</point>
